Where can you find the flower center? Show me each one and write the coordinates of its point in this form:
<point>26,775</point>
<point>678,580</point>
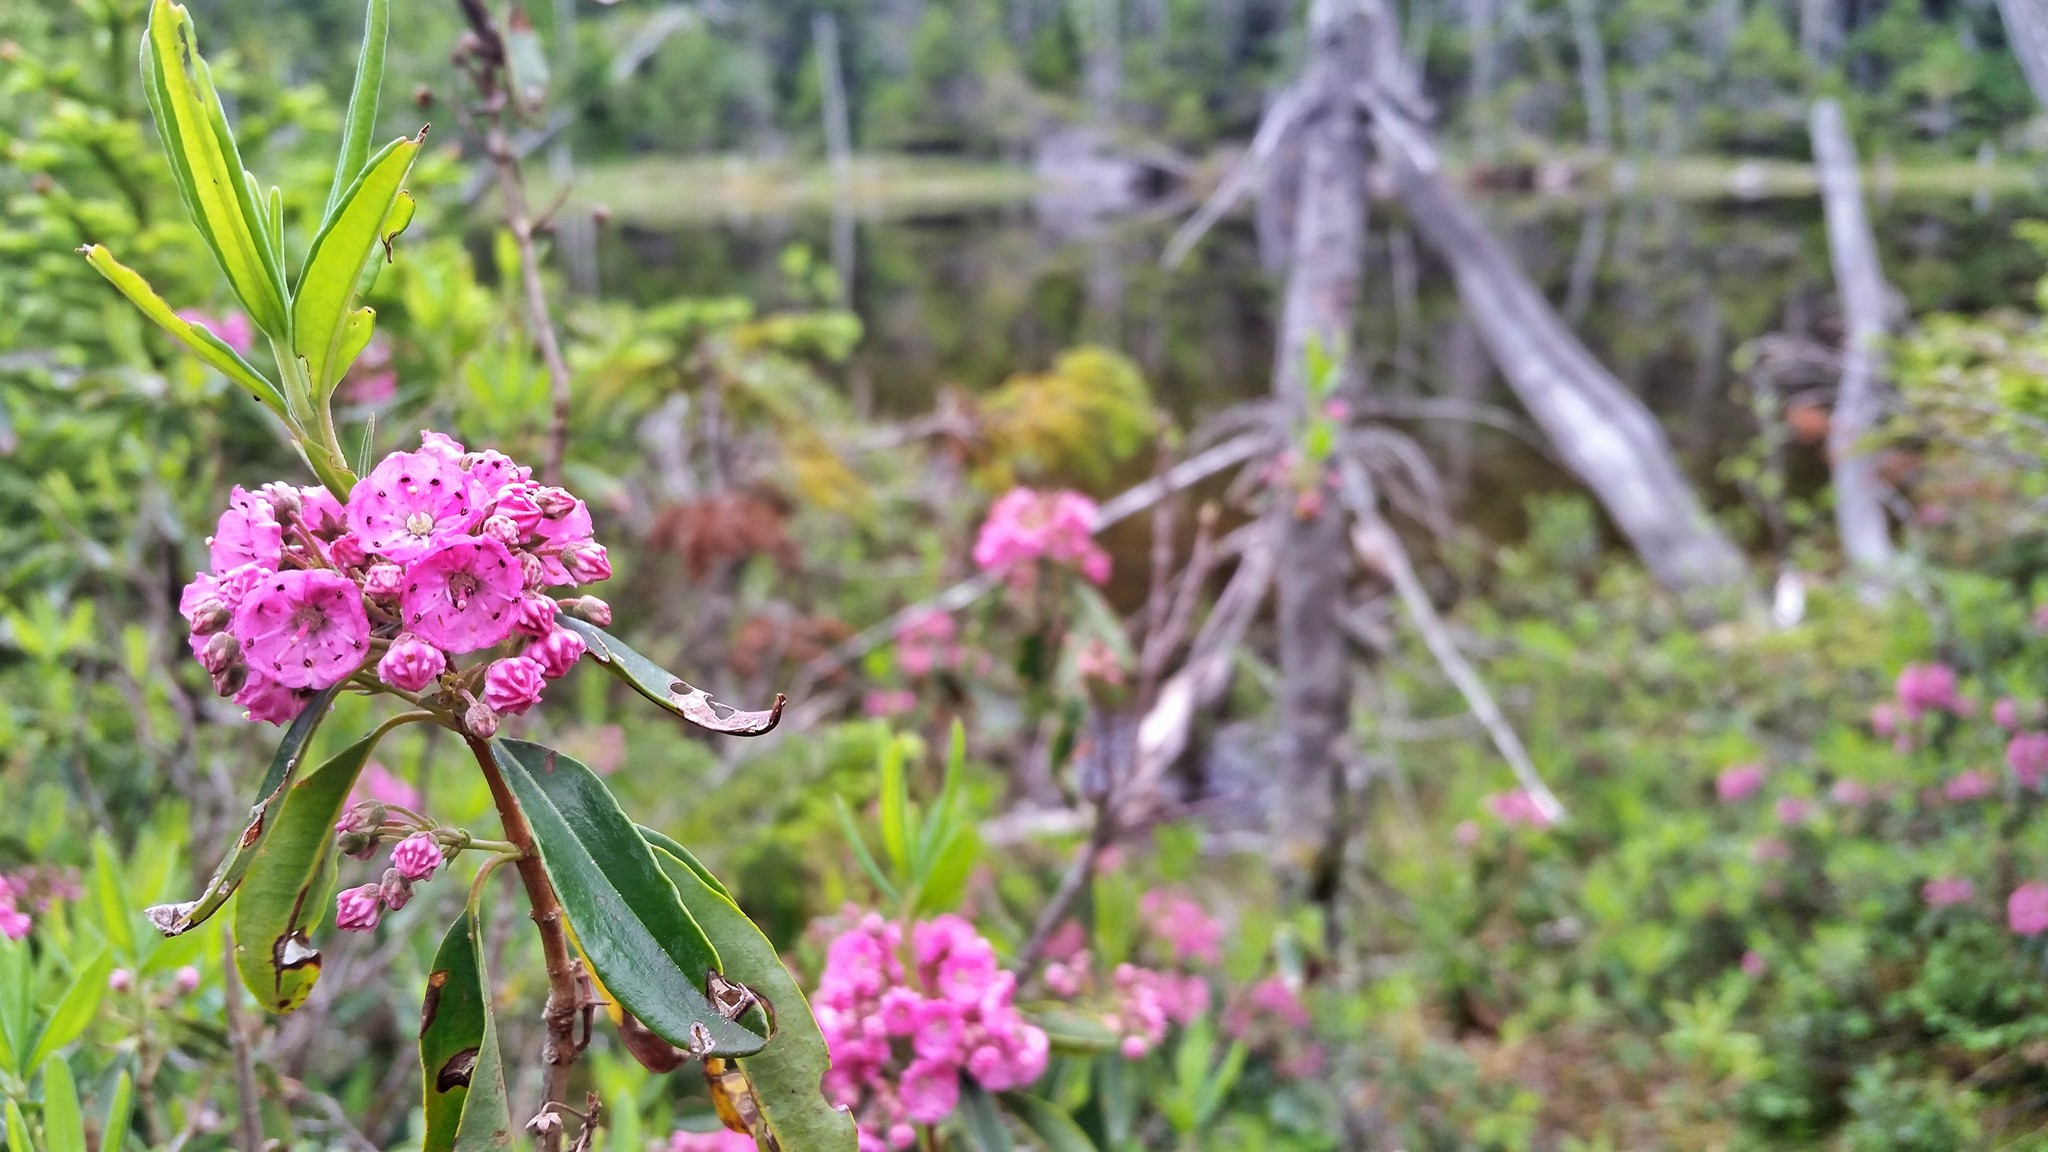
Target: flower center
<point>461,587</point>
<point>310,618</point>
<point>420,524</point>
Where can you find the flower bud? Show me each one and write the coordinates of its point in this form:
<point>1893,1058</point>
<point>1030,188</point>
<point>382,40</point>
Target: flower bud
<point>221,652</point>
<point>503,529</point>
<point>382,581</point>
<point>536,615</point>
<point>358,909</point>
<point>187,980</point>
<point>587,562</point>
<point>557,652</point>
<point>230,680</point>
<point>554,502</point>
<point>411,663</point>
<point>519,506</point>
<point>417,856</point>
<point>283,498</point>
<point>533,573</point>
<point>589,608</point>
<point>514,685</point>
<point>120,980</point>
<point>347,552</point>
<point>210,616</point>
<point>480,720</point>
<point>356,845</point>
<point>395,891</point>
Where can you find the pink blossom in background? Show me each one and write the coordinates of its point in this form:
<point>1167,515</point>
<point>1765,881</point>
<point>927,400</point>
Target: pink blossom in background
<point>186,980</point>
<point>1793,810</point>
<point>371,379</point>
<point>2041,618</point>
<point>120,980</point>
<point>1769,850</point>
<point>927,641</point>
<point>1849,794</point>
<point>1946,891</point>
<point>1753,963</point>
<point>1150,1001</point>
<point>2026,910</point>
<point>1924,688</point>
<point>1739,783</point>
<point>1884,720</point>
<point>232,328</point>
<point>379,784</point>
<point>1517,808</point>
<point>1185,926</point>
<point>14,923</point>
<point>1967,785</point>
<point>2006,713</point>
<point>1025,526</point>
<point>882,702</point>
<point>716,1140</point>
<point>2027,756</point>
<point>1466,833</point>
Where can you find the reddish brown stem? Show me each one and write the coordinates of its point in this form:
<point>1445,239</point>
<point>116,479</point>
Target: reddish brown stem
<point>559,1050</point>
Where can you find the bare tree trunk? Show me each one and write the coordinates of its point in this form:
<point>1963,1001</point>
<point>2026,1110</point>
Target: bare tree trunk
<point>1105,58</point>
<point>575,232</point>
<point>1859,513</point>
<point>838,147</point>
<point>1592,55</point>
<point>1323,279</point>
<point>1820,30</point>
<point>1602,431</point>
<point>2026,29</point>
<point>1483,78</point>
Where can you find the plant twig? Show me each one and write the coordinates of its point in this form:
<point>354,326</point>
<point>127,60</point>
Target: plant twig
<point>559,1050</point>
<point>1100,836</point>
<point>250,1112</point>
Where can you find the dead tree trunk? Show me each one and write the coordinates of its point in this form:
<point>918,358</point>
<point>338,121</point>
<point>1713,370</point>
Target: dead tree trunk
<point>1325,265</point>
<point>1859,513</point>
<point>1592,74</point>
<point>838,146</point>
<point>2026,29</point>
<point>1602,431</point>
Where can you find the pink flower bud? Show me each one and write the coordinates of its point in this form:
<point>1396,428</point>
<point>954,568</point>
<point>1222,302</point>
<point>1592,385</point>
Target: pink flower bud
<point>536,615</point>
<point>554,502</point>
<point>284,498</point>
<point>503,529</point>
<point>187,980</point>
<point>395,891</point>
<point>229,681</point>
<point>210,616</point>
<point>358,909</point>
<point>347,552</point>
<point>480,720</point>
<point>1134,1048</point>
<point>557,652</point>
<point>513,685</point>
<point>416,856</point>
<point>587,562</point>
<point>533,571</point>
<point>411,663</point>
<point>382,581</point>
<point>589,608</point>
<point>519,506</point>
<point>222,652</point>
<point>120,980</point>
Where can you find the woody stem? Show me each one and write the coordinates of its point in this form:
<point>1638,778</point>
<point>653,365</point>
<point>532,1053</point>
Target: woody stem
<point>559,1049</point>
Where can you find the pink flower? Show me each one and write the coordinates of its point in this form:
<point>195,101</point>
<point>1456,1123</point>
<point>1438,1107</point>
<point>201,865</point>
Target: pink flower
<point>1769,850</point>
<point>1884,720</point>
<point>409,503</point>
<point>930,1091</point>
<point>231,328</point>
<point>717,1140</point>
<point>586,562</point>
<point>557,652</point>
<point>2006,713</point>
<point>889,702</point>
<point>442,446</point>
<point>304,628</point>
<point>14,923</point>
<point>417,856</point>
<point>187,980</point>
<point>1025,526</point>
<point>383,581</point>
<point>411,663</point>
<point>513,685</point>
<point>2027,756</point>
<point>1739,783</point>
<point>1186,927</point>
<point>247,533</point>
<point>378,785</point>
<point>1134,1048</point>
<point>1793,810</point>
<point>1926,688</point>
<point>1466,833</point>
<point>564,524</point>
<point>358,909</point>
<point>1967,785</point>
<point>1517,807</point>
<point>925,641</point>
<point>270,702</point>
<point>1849,794</point>
<point>1946,891</point>
<point>2026,911</point>
<point>462,595</point>
<point>120,980</point>
<point>1753,963</point>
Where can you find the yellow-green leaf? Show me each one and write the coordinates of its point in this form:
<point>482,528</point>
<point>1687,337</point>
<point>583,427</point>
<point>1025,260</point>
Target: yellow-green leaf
<point>334,265</point>
<point>204,344</point>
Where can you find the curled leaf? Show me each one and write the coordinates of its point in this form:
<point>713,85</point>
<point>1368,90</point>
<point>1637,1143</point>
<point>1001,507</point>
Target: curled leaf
<point>671,692</point>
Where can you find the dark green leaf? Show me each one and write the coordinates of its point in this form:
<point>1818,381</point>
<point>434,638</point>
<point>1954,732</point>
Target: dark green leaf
<point>664,843</point>
<point>785,1073</point>
<point>290,879</point>
<point>627,915</point>
<point>74,1010</point>
<point>981,1119</point>
<point>1119,1102</point>
<point>1054,1128</point>
<point>362,104</point>
<point>175,919</point>
<point>650,680</point>
<point>1073,1032</point>
<point>463,1075</point>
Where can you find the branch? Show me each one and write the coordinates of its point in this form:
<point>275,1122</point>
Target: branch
<point>1273,128</point>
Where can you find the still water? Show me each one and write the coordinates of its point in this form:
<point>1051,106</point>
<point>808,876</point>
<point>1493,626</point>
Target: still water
<point>1666,290</point>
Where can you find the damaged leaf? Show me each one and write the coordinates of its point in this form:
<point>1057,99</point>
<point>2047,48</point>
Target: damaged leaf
<point>652,681</point>
<point>463,1075</point>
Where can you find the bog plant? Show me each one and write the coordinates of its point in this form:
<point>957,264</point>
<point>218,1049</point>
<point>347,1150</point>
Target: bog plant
<point>428,581</point>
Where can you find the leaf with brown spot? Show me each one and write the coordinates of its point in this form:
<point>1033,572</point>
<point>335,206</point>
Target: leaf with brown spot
<point>463,1077</point>
<point>668,690</point>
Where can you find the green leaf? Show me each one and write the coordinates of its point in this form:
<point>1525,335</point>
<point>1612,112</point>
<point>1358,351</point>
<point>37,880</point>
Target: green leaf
<point>628,918</point>
<point>321,318</point>
<point>1119,1100</point>
<point>946,881</point>
<point>848,826</point>
<point>459,1043</point>
<point>110,893</point>
<point>208,165</point>
<point>894,816</point>
<point>120,1109</point>
<point>785,1073</point>
<point>650,680</point>
<point>981,1119</point>
<point>289,882</point>
<point>1054,1128</point>
<point>209,348</point>
<point>362,105</point>
<point>63,1123</point>
<point>1072,1032</point>
<point>17,1129</point>
<point>75,1009</point>
<point>662,842</point>
<point>938,830</point>
<point>17,1006</point>
<point>176,919</point>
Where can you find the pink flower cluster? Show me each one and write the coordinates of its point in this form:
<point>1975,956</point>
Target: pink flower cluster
<point>717,1140</point>
<point>926,642</point>
<point>1026,526</point>
<point>1945,891</point>
<point>413,859</point>
<point>1143,1003</point>
<point>1925,688</point>
<point>1517,808</point>
<point>14,923</point>
<point>1271,1017</point>
<point>1187,928</point>
<point>900,1040</point>
<point>437,552</point>
<point>1739,783</point>
<point>2026,910</point>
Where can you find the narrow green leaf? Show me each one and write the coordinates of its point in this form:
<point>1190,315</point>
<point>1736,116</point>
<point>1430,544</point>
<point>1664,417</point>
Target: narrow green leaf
<point>1119,1100</point>
<point>110,893</point>
<point>662,842</point>
<point>176,919</point>
<point>860,850</point>
<point>459,1044</point>
<point>208,164</point>
<point>75,1009</point>
<point>664,688</point>
<point>628,918</point>
<point>334,265</point>
<point>1217,1087</point>
<point>289,882</point>
<point>209,348</point>
<point>945,882</point>
<point>785,1073</point>
<point>945,814</point>
<point>361,122</point>
<point>17,1128</point>
<point>63,1122</point>
<point>894,814</point>
<point>1054,1128</point>
<point>982,1121</point>
<point>120,1109</point>
<point>17,1004</point>
<point>1071,1032</point>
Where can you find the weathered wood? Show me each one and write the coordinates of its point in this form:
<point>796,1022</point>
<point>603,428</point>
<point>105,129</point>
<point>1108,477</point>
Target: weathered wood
<point>1592,53</point>
<point>1859,511</point>
<point>2026,29</point>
